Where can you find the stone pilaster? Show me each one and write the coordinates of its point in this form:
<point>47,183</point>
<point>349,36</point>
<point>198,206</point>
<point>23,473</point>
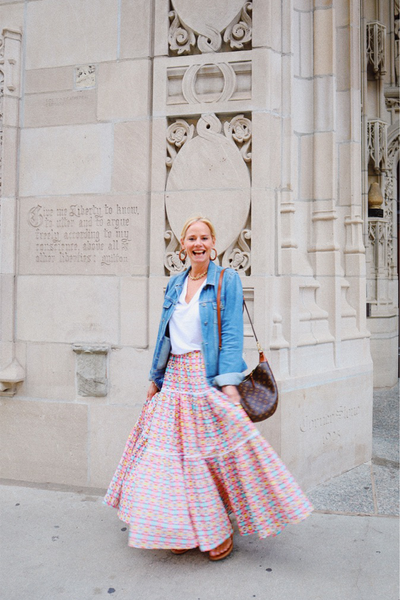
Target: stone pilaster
<point>11,371</point>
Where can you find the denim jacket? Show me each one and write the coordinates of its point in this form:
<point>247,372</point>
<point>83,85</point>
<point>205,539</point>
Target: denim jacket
<point>223,367</point>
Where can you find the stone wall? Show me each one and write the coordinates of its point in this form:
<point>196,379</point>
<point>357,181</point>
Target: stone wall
<point>132,117</point>
<point>381,152</point>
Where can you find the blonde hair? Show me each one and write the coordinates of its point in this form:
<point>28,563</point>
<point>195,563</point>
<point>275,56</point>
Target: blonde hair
<point>192,220</point>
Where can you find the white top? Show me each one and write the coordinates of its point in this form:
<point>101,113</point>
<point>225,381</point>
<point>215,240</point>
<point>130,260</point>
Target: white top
<point>184,325</point>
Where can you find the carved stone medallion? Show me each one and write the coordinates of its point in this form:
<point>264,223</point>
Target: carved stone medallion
<point>208,18</point>
<point>209,177</point>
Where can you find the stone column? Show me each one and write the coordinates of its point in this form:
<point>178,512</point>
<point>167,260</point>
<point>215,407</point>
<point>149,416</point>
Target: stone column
<point>324,248</point>
<point>11,372</point>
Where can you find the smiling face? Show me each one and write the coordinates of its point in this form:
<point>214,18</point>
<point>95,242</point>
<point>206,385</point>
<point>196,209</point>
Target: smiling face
<point>198,243</point>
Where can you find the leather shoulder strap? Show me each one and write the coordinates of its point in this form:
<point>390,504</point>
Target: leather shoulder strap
<point>260,350</point>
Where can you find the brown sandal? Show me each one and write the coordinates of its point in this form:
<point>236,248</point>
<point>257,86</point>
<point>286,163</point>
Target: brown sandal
<point>182,551</point>
<point>223,554</point>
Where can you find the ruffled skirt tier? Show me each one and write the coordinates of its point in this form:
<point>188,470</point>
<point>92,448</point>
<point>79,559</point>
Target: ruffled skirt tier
<point>192,458</point>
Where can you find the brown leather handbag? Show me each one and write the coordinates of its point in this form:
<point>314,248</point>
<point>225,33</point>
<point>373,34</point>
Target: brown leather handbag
<point>258,390</point>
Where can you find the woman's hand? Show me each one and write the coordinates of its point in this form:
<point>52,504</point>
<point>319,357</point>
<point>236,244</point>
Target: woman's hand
<point>153,389</point>
<point>232,392</point>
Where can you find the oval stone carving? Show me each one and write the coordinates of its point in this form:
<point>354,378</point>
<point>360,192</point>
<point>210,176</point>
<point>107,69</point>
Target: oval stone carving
<point>209,177</point>
<point>204,17</point>
<point>191,76</point>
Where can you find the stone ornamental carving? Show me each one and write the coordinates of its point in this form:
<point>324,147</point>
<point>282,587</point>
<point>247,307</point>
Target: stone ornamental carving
<point>91,369</point>
<point>377,235</point>
<point>238,255</point>
<point>178,133</point>
<point>397,41</point>
<point>190,79</point>
<point>217,81</point>
<point>389,200</point>
<point>172,262</point>
<point>209,173</point>
<point>193,24</point>
<point>376,47</point>
<point>85,77</point>
<point>377,144</point>
<point>239,130</point>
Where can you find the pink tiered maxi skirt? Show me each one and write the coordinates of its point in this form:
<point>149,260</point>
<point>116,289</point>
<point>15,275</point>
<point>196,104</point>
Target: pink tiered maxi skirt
<point>192,458</point>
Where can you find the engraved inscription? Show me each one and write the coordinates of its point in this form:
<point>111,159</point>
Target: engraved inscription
<point>64,100</point>
<point>95,234</point>
<point>329,425</point>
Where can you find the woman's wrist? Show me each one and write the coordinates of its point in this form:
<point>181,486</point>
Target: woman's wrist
<point>232,392</point>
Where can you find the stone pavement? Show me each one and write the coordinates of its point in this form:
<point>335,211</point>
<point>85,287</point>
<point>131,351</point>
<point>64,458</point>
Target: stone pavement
<point>58,544</point>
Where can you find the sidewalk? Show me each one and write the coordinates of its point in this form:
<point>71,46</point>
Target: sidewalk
<point>67,545</point>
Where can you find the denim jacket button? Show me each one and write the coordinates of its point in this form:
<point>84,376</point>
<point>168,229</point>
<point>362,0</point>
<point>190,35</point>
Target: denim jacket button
<point>205,322</point>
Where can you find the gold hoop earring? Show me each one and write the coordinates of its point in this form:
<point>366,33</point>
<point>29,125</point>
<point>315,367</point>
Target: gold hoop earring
<point>216,254</point>
<point>184,255</point>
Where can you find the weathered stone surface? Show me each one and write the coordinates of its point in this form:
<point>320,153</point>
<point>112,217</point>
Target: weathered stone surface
<point>136,33</point>
<point>324,39</point>
<point>109,430</point>
<point>66,160</point>
<point>134,303</point>
<point>69,33</point>
<point>9,160</point>
<point>91,369</point>
<point>131,160</point>
<point>123,90</point>
<point>306,44</point>
<point>57,79</point>
<point>12,15</point>
<point>68,310</point>
<point>44,441</point>
<point>129,379</point>
<point>51,372</point>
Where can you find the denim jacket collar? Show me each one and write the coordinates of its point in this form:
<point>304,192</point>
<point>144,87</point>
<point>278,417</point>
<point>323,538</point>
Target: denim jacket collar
<point>212,276</point>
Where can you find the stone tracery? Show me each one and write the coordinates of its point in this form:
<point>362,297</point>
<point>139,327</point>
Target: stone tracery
<point>377,143</point>
<point>376,47</point>
<point>389,195</point>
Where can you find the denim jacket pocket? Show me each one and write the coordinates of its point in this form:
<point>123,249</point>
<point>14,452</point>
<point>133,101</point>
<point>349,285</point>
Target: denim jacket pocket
<point>164,353</point>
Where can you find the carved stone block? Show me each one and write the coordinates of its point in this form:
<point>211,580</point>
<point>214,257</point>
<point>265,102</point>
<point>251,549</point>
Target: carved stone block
<point>376,47</point>
<point>190,25</point>
<point>377,144</point>
<point>202,168</point>
<point>209,83</point>
<point>85,77</point>
<point>83,235</point>
<point>91,370</point>
<point>221,82</point>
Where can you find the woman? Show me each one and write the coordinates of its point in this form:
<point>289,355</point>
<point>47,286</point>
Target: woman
<point>194,456</point>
